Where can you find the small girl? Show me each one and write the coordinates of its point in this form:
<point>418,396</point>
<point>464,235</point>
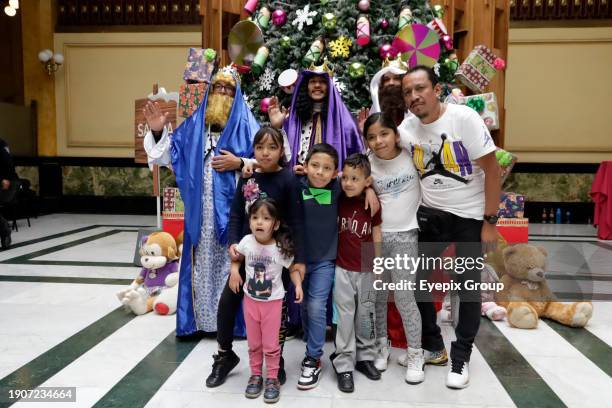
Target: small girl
<point>265,252</point>
<point>397,184</point>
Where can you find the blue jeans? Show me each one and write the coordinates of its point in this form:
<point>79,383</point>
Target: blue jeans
<point>317,286</point>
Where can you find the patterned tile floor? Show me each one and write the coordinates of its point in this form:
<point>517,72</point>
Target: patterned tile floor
<point>60,325</point>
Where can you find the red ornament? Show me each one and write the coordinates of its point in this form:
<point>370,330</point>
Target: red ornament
<point>384,24</point>
<point>265,104</point>
<point>499,64</point>
<point>279,17</point>
<point>448,42</point>
<point>387,51</point>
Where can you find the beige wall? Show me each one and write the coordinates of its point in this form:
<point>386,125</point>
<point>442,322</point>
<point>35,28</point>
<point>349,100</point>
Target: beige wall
<point>103,74</point>
<point>558,94</point>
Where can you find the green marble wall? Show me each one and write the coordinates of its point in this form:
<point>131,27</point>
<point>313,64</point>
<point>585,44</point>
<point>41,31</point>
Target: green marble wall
<point>567,188</point>
<point>112,181</point>
<point>30,173</point>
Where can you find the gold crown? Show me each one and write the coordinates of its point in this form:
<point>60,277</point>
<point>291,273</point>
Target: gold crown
<point>326,67</point>
<point>396,63</point>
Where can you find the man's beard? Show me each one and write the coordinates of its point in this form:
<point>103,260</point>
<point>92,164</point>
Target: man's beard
<point>392,102</point>
<point>218,109</point>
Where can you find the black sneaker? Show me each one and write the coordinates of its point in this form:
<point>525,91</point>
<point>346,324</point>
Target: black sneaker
<point>311,371</point>
<point>368,369</point>
<point>254,386</point>
<point>345,382</point>
<point>272,392</point>
<point>224,363</point>
<point>5,233</point>
<point>282,375</point>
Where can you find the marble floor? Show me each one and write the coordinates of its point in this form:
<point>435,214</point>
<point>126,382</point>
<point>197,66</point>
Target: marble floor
<point>61,326</point>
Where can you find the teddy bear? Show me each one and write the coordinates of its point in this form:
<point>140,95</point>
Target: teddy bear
<point>159,258</point>
<point>526,295</point>
<point>167,300</point>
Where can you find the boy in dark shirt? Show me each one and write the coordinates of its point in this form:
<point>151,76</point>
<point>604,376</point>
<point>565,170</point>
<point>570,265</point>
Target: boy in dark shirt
<point>360,235</point>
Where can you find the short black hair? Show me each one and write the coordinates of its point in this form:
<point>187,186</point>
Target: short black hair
<point>326,149</point>
<point>359,161</point>
<point>431,75</point>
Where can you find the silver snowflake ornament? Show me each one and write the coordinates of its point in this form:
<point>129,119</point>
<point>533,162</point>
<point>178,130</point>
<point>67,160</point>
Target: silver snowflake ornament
<point>339,85</point>
<point>304,16</point>
<point>266,80</point>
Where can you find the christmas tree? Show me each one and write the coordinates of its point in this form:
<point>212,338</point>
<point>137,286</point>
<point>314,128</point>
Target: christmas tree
<point>355,37</point>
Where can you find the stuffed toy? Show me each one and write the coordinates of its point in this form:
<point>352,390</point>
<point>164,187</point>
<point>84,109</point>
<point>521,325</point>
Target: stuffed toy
<point>526,295</point>
<point>165,303</point>
<point>159,258</point>
<point>489,308</point>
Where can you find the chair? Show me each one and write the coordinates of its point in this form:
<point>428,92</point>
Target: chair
<point>19,202</point>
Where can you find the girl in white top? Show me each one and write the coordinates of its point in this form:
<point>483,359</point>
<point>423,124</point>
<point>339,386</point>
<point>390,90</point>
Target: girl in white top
<point>396,182</point>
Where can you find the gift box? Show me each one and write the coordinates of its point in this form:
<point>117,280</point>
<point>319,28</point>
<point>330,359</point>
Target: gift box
<point>198,68</point>
<point>511,205</point>
<point>514,230</point>
<point>486,106</point>
<point>190,98</point>
<point>477,70</point>
<point>173,211</point>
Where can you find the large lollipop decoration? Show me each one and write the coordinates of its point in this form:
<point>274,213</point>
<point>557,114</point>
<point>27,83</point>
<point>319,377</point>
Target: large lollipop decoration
<point>418,45</point>
<point>245,39</point>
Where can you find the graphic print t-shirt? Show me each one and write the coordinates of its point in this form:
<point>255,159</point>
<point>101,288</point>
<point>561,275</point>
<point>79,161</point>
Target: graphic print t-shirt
<point>355,227</point>
<point>467,139</point>
<point>264,267</point>
<point>396,183</point>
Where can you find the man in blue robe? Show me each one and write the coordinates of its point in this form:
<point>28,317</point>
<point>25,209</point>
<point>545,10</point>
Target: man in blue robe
<point>204,152</point>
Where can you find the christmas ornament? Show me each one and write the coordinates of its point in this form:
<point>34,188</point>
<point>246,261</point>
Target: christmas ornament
<point>304,16</point>
<point>387,51</point>
<point>324,2</point>
<point>314,52</point>
<point>266,80</point>
<point>477,103</point>
<point>451,64</point>
<point>438,11</point>
<point>260,60</point>
<point>341,47</point>
<point>285,41</point>
<point>405,18</point>
<point>244,40</point>
<point>363,30</point>
<point>356,70</point>
<point>418,45</point>
<point>250,6</point>
<point>279,17</point>
<point>264,105</point>
<point>448,42</point>
<point>248,101</point>
<point>499,64</point>
<point>339,85</point>
<point>329,21</point>
<point>287,79</point>
<point>363,5</point>
<point>263,19</point>
<point>438,25</point>
<point>384,24</point>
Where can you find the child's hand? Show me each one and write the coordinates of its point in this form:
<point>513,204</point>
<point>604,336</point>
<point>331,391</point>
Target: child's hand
<point>371,201</point>
<point>299,295</point>
<point>233,252</point>
<point>247,169</point>
<point>298,169</point>
<point>235,281</point>
<point>301,269</point>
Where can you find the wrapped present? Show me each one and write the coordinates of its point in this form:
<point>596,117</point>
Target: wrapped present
<point>198,67</point>
<point>486,106</point>
<point>514,230</point>
<point>511,205</point>
<point>173,206</point>
<point>190,97</point>
<point>478,69</point>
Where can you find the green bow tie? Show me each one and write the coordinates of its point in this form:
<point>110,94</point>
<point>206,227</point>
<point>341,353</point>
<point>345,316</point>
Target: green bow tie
<point>321,195</point>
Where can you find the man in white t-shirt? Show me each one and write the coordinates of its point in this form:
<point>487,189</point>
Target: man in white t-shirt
<point>454,154</point>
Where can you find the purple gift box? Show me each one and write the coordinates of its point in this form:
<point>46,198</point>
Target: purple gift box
<point>511,205</point>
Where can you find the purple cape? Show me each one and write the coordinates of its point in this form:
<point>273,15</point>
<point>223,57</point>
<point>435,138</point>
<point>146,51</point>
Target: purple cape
<point>340,129</point>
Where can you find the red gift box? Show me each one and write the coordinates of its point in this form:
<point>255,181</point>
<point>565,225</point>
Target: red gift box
<point>514,230</point>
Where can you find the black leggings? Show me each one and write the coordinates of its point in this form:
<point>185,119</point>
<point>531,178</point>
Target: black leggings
<point>436,233</point>
<point>230,303</point>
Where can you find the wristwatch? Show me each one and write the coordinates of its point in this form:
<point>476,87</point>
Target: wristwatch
<point>491,219</point>
<point>241,164</point>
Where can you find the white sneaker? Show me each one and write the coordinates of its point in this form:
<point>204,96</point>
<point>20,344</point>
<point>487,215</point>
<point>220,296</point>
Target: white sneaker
<point>382,355</point>
<point>458,376</point>
<point>431,357</point>
<point>416,366</point>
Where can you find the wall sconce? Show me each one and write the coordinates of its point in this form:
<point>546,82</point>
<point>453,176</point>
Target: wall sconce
<point>50,61</point>
<point>12,7</point>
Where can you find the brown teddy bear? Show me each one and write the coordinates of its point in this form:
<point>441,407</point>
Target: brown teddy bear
<point>526,295</point>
